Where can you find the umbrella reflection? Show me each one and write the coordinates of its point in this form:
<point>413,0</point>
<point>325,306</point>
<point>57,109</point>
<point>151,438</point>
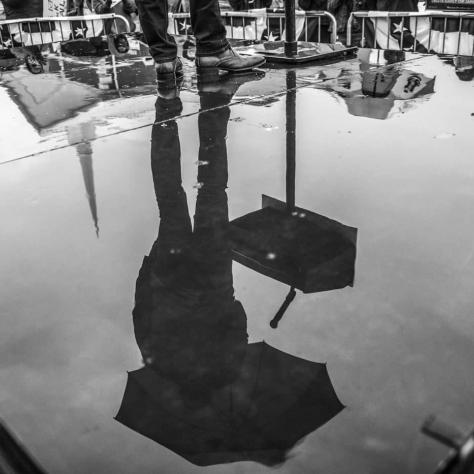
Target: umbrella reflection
<point>205,392</point>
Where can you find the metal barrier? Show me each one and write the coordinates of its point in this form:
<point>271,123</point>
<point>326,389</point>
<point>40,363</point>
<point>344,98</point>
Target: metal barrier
<point>438,32</point>
<point>250,31</point>
<point>40,31</point>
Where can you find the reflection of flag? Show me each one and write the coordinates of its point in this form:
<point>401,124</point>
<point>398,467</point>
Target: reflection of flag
<point>381,93</point>
<point>446,35</point>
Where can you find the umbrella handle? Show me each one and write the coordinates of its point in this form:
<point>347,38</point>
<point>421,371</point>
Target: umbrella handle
<point>280,313</point>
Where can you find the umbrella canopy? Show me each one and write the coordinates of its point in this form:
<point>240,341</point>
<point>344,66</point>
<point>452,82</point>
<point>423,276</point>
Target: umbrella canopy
<point>275,400</point>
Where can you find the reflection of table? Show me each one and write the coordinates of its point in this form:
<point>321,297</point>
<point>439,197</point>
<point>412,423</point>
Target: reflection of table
<point>295,246</point>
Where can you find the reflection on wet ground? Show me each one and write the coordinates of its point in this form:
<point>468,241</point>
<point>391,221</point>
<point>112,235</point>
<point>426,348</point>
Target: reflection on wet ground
<point>304,299</point>
<point>204,392</point>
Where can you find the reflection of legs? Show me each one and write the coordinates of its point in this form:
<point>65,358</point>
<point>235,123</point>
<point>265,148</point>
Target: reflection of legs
<point>210,241</point>
<point>154,21</point>
<point>175,225</point>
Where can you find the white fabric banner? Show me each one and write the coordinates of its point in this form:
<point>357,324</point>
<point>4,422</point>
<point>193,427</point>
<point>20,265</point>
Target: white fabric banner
<point>54,7</point>
<point>416,32</point>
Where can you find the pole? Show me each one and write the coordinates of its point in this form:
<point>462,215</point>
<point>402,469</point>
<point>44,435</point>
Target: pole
<point>290,139</point>
<point>291,46</point>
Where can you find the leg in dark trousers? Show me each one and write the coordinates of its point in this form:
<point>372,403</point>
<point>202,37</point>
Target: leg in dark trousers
<point>208,27</point>
<point>154,21</point>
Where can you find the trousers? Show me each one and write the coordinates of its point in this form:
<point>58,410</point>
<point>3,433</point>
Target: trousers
<point>206,22</point>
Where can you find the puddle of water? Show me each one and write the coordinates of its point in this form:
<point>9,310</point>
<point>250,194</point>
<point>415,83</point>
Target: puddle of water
<point>366,241</point>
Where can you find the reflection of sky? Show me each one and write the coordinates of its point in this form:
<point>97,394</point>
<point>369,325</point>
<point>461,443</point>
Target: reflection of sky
<point>399,344</point>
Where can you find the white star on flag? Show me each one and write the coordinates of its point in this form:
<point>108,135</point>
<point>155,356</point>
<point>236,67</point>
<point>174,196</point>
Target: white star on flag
<point>80,31</point>
<point>183,25</point>
<point>399,28</point>
<point>7,42</point>
<point>271,37</point>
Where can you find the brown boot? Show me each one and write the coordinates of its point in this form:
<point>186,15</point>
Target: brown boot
<point>229,61</point>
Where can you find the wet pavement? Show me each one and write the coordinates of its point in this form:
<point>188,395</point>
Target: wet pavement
<point>366,172</point>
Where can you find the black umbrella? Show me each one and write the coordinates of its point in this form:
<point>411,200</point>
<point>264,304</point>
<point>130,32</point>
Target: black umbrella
<point>275,400</point>
<point>298,247</point>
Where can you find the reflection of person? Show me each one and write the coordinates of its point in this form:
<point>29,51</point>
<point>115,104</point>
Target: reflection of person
<point>205,392</point>
<point>188,325</point>
<point>212,48</point>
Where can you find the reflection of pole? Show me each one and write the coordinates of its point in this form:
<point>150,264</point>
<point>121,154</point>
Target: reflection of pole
<point>291,46</point>
<point>281,312</point>
<point>80,136</point>
<point>114,75</point>
<point>84,151</point>
<point>290,172</point>
<point>290,139</point>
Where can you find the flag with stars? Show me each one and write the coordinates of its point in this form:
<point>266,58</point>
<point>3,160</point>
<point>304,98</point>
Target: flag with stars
<point>275,27</point>
<point>423,34</point>
<point>50,31</point>
<point>179,26</point>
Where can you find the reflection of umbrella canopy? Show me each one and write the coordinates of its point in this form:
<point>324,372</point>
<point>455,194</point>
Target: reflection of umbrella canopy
<point>275,400</point>
<point>47,99</point>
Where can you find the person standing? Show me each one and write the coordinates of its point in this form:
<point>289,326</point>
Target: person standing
<point>212,48</point>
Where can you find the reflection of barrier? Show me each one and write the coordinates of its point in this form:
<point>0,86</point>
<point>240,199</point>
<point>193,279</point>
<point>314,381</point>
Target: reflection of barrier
<point>245,25</point>
<point>445,32</point>
<point>40,31</point>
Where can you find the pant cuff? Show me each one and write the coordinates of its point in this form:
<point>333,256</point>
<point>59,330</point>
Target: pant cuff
<point>210,49</point>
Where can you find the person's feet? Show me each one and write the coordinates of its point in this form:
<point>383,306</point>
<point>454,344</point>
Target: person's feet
<point>169,71</point>
<point>229,61</point>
